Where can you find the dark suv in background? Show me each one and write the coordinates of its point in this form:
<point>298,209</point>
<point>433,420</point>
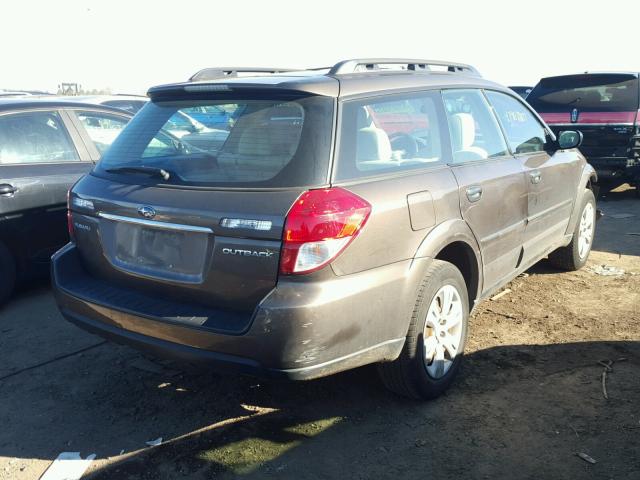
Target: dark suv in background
<point>604,107</point>
<point>522,90</point>
<point>46,144</point>
<point>343,217</point>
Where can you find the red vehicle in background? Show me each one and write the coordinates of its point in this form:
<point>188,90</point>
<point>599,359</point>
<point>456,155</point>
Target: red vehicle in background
<point>387,117</point>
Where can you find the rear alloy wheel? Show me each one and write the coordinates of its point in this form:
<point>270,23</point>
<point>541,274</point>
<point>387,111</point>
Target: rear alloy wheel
<point>574,256</point>
<point>432,352</point>
<point>7,273</point>
<point>585,230</point>
<point>442,334</point>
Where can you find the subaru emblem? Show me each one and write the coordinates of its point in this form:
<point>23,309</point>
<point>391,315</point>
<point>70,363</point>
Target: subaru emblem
<point>574,115</point>
<point>147,212</point>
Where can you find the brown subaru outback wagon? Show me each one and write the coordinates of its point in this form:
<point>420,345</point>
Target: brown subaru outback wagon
<point>335,218</point>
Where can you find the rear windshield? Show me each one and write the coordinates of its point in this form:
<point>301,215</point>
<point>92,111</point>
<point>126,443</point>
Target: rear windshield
<point>594,92</point>
<point>257,142</point>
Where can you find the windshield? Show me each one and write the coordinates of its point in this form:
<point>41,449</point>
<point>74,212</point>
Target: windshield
<point>256,142</point>
<point>593,92</point>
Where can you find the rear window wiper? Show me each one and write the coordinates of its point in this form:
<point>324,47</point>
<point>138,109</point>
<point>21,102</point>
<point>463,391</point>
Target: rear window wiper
<point>154,171</point>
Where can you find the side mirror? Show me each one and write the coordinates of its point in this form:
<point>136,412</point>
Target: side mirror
<point>569,139</point>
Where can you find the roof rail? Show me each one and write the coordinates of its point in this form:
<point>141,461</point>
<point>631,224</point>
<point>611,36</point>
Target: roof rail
<point>214,73</point>
<point>351,66</point>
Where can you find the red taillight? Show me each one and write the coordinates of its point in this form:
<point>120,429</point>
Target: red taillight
<point>69,216</point>
<point>320,225</point>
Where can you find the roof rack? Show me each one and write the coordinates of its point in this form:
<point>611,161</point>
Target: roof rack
<point>214,73</point>
<point>342,67</point>
<point>351,66</point>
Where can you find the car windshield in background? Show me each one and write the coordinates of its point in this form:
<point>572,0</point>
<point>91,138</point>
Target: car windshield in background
<point>265,142</point>
<point>593,92</point>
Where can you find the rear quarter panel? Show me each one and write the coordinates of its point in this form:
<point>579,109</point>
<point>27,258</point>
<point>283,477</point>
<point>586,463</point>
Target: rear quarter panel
<point>389,235</point>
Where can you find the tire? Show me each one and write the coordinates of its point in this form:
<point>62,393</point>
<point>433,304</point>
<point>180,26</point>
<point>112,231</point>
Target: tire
<point>410,375</point>
<point>569,258</point>
<point>7,273</point>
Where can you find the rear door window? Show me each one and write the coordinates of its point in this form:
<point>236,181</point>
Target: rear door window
<point>261,142</point>
<point>524,132</point>
<point>35,137</point>
<point>475,133</point>
<point>389,134</point>
<point>102,128</point>
<point>592,92</point>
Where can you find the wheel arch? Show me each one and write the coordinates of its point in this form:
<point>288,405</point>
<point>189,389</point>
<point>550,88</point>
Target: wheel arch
<point>588,181</point>
<point>591,178</point>
<point>454,242</point>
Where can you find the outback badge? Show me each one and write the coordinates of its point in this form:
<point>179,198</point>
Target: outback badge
<point>147,212</point>
<point>247,253</point>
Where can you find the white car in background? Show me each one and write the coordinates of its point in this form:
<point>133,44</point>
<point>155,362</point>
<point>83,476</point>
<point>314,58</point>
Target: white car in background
<point>130,103</point>
<point>21,93</point>
<point>181,125</point>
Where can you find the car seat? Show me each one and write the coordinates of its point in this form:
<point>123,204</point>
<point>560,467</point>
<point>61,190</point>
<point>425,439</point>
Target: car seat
<point>261,143</point>
<point>463,136</point>
<point>372,143</point>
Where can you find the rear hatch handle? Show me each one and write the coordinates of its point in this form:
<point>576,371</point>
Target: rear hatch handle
<point>155,223</point>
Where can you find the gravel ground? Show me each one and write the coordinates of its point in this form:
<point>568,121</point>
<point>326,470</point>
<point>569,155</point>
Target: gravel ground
<point>529,398</point>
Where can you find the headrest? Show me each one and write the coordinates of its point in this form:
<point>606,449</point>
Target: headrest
<point>364,119</point>
<point>373,144</point>
<point>463,130</point>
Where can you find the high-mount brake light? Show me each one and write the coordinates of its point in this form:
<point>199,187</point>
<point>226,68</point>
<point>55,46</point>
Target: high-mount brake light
<point>207,88</point>
<point>319,226</point>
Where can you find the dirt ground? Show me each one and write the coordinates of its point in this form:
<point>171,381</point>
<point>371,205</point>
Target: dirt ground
<point>529,398</point>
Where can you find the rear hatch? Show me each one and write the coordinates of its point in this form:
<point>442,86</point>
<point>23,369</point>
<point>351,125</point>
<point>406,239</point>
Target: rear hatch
<point>197,216</point>
<point>603,106</point>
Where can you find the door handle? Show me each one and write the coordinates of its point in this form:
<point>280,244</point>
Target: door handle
<point>535,176</point>
<point>474,193</point>
<point>7,189</point>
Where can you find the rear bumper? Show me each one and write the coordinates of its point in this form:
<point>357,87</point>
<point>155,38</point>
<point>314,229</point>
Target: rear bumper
<point>70,309</point>
<point>301,330</point>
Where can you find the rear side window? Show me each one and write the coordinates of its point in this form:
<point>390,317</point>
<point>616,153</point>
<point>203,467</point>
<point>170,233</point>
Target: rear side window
<point>475,133</point>
<point>387,135</point>
<point>279,141</point>
<point>35,137</point>
<point>102,128</point>
<point>594,92</point>
<point>524,132</point>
